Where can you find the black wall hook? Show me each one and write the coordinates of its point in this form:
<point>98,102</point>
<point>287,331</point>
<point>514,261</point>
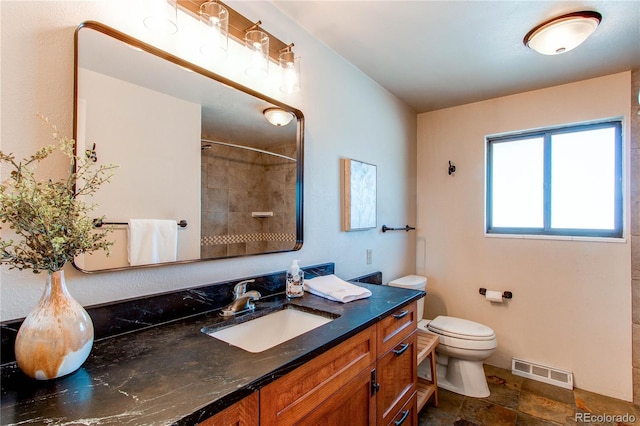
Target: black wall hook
<point>452,168</point>
<point>92,154</point>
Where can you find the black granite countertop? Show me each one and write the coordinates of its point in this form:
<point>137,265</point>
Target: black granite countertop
<point>174,374</point>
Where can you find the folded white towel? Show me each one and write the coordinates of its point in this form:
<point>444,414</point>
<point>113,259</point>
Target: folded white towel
<point>333,288</point>
<point>152,241</point>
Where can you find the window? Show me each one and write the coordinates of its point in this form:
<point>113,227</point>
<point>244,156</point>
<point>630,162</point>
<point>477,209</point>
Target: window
<point>565,181</point>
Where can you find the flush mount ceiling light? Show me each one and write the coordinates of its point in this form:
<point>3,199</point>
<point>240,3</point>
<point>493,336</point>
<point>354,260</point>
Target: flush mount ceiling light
<point>563,33</point>
<point>278,116</point>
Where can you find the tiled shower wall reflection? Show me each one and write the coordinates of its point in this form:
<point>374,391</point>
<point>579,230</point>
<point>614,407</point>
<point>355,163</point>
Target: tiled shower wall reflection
<point>635,229</point>
<point>238,182</point>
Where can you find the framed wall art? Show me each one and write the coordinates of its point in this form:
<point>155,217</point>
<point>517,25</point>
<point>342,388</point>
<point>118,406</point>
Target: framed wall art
<point>359,195</point>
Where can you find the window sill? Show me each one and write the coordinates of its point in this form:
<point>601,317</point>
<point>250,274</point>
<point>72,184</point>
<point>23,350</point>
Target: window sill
<point>558,237</point>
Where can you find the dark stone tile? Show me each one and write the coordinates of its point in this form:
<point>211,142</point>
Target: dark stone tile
<point>504,387</point>
<point>431,416</point>
<point>549,391</point>
<point>463,422</point>
<point>483,412</point>
<point>505,374</point>
<point>450,402</point>
<point>537,404</point>
<point>545,408</point>
<point>527,420</point>
<point>594,404</point>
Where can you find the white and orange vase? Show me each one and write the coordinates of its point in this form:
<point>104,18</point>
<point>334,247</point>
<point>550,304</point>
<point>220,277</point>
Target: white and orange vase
<point>56,338</point>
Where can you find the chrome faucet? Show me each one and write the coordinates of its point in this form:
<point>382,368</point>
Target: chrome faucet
<point>242,299</point>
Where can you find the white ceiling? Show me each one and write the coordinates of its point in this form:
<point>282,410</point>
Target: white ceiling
<point>437,54</point>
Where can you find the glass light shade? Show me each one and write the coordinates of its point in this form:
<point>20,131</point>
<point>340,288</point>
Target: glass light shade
<point>162,16</point>
<point>563,33</point>
<point>290,81</point>
<point>257,42</point>
<point>277,116</point>
<point>216,35</point>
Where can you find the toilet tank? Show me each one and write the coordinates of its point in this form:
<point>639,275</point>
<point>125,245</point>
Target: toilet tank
<point>412,282</point>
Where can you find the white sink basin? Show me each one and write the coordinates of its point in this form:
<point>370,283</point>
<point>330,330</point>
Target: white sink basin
<point>265,332</point>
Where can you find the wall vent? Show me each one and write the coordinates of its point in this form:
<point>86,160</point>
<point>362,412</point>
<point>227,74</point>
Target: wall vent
<point>550,375</point>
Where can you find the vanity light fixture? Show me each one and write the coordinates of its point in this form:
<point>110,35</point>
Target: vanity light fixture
<point>257,43</point>
<point>290,81</point>
<point>261,46</point>
<point>278,116</point>
<point>562,33</point>
<point>216,37</point>
<point>162,16</point>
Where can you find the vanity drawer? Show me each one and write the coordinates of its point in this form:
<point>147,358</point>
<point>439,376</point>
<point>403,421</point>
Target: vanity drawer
<point>407,415</point>
<point>396,327</point>
<point>397,378</point>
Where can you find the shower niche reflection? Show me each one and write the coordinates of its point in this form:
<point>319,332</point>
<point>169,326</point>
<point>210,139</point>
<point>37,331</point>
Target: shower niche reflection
<point>247,195</point>
<point>190,145</point>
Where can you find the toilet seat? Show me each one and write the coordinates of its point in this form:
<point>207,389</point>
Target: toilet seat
<point>461,328</point>
<point>460,333</point>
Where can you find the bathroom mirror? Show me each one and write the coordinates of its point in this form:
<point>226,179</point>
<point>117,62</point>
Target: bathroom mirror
<point>190,146</point>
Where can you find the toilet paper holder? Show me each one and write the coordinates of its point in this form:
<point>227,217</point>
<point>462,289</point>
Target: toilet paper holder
<point>505,294</point>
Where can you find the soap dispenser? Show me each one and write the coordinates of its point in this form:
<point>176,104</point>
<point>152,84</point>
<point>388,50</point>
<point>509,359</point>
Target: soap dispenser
<point>295,281</point>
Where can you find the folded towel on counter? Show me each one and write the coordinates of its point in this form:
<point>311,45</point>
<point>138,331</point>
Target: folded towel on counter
<point>333,288</point>
<point>152,241</point>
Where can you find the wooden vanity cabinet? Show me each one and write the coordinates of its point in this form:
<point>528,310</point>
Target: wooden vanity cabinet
<point>317,388</point>
<point>370,379</point>
<point>242,413</point>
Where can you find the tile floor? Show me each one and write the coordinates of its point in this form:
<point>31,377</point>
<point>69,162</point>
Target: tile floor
<point>519,401</point>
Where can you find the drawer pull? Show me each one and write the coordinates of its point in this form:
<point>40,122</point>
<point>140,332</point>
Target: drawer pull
<point>400,351</point>
<point>405,414</point>
<point>401,314</point>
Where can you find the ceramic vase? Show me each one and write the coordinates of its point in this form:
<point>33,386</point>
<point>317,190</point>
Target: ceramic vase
<point>56,337</point>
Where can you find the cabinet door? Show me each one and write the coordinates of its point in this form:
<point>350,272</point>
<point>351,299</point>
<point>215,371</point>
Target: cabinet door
<point>397,376</point>
<point>354,404</point>
<point>407,415</point>
<point>242,413</point>
<point>295,395</point>
<point>395,327</point>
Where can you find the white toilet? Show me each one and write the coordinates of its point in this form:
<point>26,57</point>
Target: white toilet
<point>464,345</point>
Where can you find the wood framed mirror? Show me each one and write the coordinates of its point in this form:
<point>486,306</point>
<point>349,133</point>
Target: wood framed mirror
<point>190,146</point>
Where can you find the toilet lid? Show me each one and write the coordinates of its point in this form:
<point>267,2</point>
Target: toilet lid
<point>461,328</point>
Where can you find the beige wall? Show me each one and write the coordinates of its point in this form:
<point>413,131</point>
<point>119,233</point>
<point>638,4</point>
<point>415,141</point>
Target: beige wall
<point>571,307</point>
<point>346,113</point>
<point>111,109</point>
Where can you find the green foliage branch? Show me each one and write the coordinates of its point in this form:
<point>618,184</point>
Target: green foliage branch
<point>50,218</point>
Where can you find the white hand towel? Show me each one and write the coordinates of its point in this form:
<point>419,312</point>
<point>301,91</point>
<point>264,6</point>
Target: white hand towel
<point>152,241</point>
<point>333,288</point>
